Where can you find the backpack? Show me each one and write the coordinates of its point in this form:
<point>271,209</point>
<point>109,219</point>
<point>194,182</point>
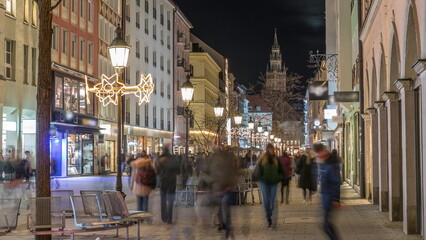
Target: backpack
<point>146,176</point>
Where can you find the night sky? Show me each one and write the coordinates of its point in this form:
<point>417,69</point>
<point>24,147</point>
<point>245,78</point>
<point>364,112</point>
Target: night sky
<point>242,31</point>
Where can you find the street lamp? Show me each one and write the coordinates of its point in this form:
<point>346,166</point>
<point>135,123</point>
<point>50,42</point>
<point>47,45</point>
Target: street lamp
<point>250,124</point>
<point>218,109</point>
<point>187,91</point>
<point>271,137</point>
<point>259,128</point>
<point>238,119</point>
<point>119,51</point>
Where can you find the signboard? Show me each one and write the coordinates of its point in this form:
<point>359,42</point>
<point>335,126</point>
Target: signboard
<point>318,90</point>
<point>349,96</point>
<point>330,113</point>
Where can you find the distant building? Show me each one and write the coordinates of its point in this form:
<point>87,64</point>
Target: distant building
<point>276,74</point>
<point>261,114</point>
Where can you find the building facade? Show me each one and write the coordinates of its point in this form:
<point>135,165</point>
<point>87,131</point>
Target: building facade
<point>18,78</point>
<point>261,114</point>
<point>393,45</point>
<point>276,73</point>
<point>181,47</point>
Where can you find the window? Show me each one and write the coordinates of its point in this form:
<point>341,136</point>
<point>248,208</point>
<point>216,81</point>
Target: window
<point>162,62</point>
<point>9,59</point>
<point>146,26</point>
<point>168,120</point>
<point>154,116</point>
<point>162,89</point>
<point>64,41</point>
<point>138,54</point>
<point>138,25</point>
<point>90,8</point>
<point>168,91</point>
<point>138,3</point>
<point>138,122</point>
<point>154,58</point>
<point>154,31</point>
<point>146,110</point>
<point>161,14</point>
<point>127,70</point>
<point>168,41</point>
<point>70,95</point>
<point>168,66</point>
<point>155,85</point>
<point>146,54</point>
<point>9,6</point>
<point>127,105</point>
<point>65,3</point>
<point>74,6</point>
<point>146,6</point>
<point>138,75</point>
<point>59,96</point>
<point>55,37</point>
<point>26,11</point>
<point>154,9</point>
<point>35,14</point>
<point>162,37</point>
<point>34,66</point>
<point>162,118</point>
<point>73,45</point>
<point>90,53</point>
<point>128,12</point>
<point>82,8</point>
<point>168,20</point>
<point>26,49</point>
<point>82,49</point>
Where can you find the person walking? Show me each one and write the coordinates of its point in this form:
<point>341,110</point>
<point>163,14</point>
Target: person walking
<point>286,163</point>
<point>330,187</point>
<point>167,169</point>
<point>306,169</point>
<point>143,179</point>
<point>220,174</point>
<point>269,172</point>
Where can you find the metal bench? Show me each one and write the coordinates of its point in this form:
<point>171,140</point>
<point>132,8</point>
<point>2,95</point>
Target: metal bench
<point>117,210</point>
<point>65,203</point>
<point>9,212</point>
<point>89,205</point>
<point>55,215</point>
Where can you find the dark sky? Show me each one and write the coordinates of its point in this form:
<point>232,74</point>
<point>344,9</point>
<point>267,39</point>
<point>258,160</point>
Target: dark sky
<point>242,31</point>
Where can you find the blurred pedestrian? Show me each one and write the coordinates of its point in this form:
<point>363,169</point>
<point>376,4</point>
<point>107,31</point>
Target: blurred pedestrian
<point>330,187</point>
<point>307,169</point>
<point>286,163</point>
<point>2,165</point>
<point>53,172</point>
<point>143,179</point>
<point>221,175</point>
<point>167,169</point>
<point>270,172</point>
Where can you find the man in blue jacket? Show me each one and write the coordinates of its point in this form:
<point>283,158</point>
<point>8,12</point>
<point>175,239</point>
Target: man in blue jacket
<point>330,186</point>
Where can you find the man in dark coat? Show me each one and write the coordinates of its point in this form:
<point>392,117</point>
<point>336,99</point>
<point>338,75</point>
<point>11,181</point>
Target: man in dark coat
<point>330,186</point>
<point>168,168</point>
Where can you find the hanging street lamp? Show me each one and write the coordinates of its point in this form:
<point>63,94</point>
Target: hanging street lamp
<point>218,109</point>
<point>187,91</point>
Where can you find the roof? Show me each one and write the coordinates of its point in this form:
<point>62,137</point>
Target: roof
<point>257,101</point>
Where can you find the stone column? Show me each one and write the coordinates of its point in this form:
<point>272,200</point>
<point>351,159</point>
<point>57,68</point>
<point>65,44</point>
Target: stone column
<point>394,156</point>
<point>420,68</point>
<point>382,156</point>
<point>409,166</point>
<point>374,154</point>
<point>367,159</point>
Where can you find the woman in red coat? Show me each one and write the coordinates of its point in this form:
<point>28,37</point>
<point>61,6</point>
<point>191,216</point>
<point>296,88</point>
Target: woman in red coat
<point>286,163</point>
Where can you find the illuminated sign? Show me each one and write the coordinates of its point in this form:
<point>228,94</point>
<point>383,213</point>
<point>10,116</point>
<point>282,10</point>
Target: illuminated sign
<point>330,113</point>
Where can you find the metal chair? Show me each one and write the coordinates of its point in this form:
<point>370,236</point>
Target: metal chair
<point>65,204</point>
<point>82,216</point>
<point>46,212</point>
<point>9,211</point>
<point>117,210</point>
<point>90,204</point>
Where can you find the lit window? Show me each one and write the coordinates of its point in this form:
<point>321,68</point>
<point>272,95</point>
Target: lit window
<point>9,6</point>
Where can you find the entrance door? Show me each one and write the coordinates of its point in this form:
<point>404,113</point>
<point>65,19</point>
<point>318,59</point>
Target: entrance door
<point>80,154</point>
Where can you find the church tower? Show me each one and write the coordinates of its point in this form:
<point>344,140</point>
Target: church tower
<point>275,71</point>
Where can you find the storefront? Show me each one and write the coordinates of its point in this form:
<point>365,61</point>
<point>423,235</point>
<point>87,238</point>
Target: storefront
<point>107,147</point>
<point>143,139</point>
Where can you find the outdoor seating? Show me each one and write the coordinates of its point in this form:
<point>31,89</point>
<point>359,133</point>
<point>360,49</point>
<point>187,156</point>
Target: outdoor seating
<point>90,204</point>
<point>188,194</point>
<point>65,203</point>
<point>117,210</point>
<point>244,187</point>
<point>9,210</point>
<point>39,206</point>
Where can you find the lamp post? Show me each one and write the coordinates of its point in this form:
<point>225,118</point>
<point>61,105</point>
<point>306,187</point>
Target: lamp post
<point>218,112</point>
<point>251,127</point>
<point>187,91</point>
<point>119,53</point>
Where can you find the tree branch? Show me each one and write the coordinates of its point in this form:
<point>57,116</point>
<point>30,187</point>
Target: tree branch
<point>56,5</point>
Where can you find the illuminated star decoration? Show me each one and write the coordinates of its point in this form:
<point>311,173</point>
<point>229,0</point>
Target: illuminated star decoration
<point>107,90</point>
<point>144,89</point>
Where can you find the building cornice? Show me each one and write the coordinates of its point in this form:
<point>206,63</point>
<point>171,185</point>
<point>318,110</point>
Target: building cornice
<point>420,66</point>
<point>404,84</point>
<point>390,96</point>
<point>81,75</point>
<point>368,23</point>
<point>201,57</point>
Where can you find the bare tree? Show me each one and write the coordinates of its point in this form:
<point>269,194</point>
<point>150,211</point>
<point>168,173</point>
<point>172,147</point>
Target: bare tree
<point>210,124</point>
<point>44,105</point>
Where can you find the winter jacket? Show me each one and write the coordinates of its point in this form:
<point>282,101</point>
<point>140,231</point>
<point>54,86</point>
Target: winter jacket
<point>286,163</point>
<point>307,169</point>
<point>220,173</point>
<point>168,167</point>
<point>330,182</point>
<point>271,169</point>
<point>138,188</point>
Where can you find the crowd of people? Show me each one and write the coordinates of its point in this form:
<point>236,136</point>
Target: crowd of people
<point>14,169</point>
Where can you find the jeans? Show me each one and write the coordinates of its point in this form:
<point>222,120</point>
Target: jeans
<point>142,203</point>
<point>269,191</point>
<point>328,227</point>
<point>167,199</point>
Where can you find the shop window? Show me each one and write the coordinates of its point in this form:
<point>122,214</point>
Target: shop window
<point>70,95</point>
<point>82,99</point>
<point>59,96</point>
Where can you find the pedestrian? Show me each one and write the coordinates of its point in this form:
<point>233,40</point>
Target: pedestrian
<point>306,168</point>
<point>330,187</point>
<point>167,169</point>
<point>269,172</point>
<point>2,165</point>
<point>143,179</point>
<point>53,172</point>
<point>286,163</point>
<point>220,174</point>
<point>338,160</point>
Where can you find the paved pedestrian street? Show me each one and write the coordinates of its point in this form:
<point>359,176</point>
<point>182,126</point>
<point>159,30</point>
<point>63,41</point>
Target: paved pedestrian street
<point>358,219</point>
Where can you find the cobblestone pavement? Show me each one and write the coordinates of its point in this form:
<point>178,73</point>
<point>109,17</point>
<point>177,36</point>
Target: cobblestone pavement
<point>357,220</point>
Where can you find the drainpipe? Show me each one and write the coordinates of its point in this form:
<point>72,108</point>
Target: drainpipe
<point>361,107</point>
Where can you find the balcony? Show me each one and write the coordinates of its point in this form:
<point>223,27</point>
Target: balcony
<point>188,47</point>
<point>181,62</point>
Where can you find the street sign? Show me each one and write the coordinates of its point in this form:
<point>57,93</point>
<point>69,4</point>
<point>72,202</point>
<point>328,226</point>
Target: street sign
<point>346,96</point>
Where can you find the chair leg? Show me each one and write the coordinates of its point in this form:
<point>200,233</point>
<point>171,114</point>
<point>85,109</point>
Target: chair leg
<point>139,228</point>
<point>116,232</point>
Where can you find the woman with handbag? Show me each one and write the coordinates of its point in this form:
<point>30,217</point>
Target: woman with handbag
<point>143,179</point>
<point>269,172</point>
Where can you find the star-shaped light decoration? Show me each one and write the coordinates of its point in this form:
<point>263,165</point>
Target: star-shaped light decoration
<point>145,89</point>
